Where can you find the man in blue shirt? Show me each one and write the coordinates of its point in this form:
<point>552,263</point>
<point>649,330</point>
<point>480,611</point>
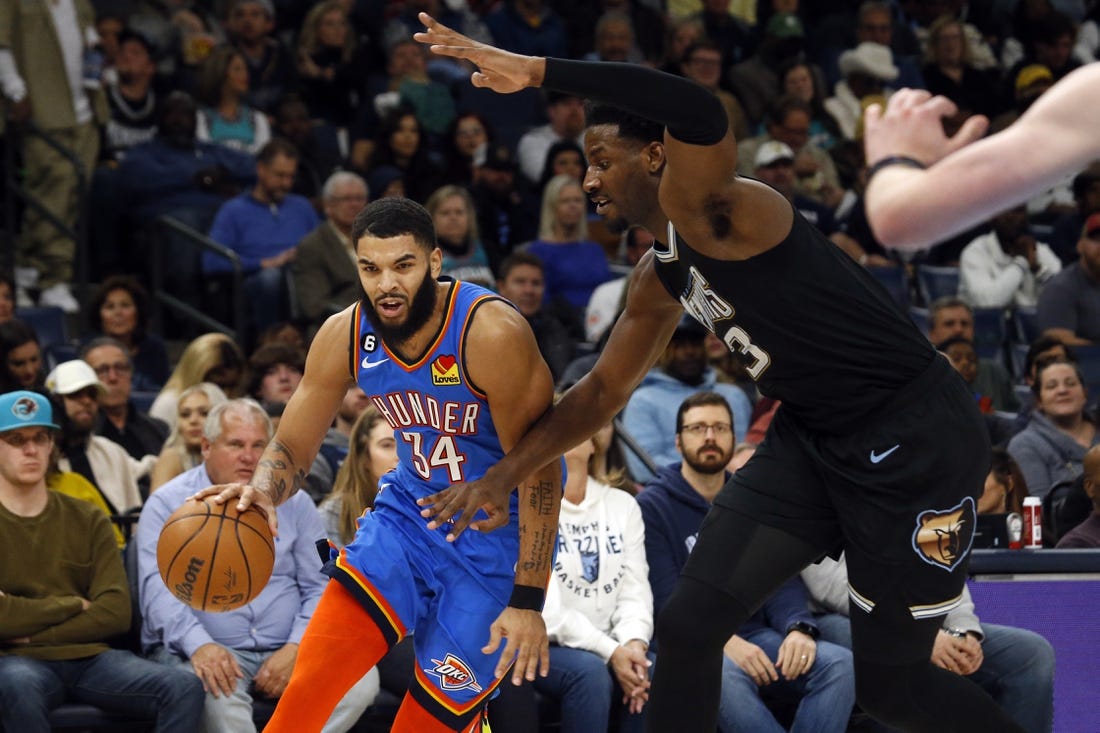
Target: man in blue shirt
<point>250,651</point>
<point>264,226</point>
<point>650,414</point>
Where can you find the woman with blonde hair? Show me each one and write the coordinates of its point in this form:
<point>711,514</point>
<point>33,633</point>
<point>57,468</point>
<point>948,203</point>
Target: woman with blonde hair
<point>573,264</point>
<point>212,357</point>
<point>949,71</point>
<point>223,117</point>
<point>183,449</point>
<point>372,452</point>
<point>455,218</point>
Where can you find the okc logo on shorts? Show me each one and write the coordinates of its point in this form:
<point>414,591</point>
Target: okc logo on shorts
<point>445,371</point>
<point>454,674</point>
<point>942,538</point>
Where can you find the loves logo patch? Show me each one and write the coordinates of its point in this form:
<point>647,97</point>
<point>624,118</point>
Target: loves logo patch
<point>445,371</point>
<point>454,674</point>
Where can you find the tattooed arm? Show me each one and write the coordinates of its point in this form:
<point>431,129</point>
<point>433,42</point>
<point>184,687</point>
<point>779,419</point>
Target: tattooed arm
<point>502,359</point>
<point>285,463</point>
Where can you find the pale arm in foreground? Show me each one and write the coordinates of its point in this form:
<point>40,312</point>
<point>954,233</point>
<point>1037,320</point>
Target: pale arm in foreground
<point>967,183</point>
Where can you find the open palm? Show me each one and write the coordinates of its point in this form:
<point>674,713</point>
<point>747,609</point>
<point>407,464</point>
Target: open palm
<point>502,71</point>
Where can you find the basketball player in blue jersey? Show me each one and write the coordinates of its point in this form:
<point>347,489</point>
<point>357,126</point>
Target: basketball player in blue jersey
<point>457,373</point>
<point>877,447</point>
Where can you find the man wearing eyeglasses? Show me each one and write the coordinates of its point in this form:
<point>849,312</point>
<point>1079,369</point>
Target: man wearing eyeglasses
<point>104,463</point>
<point>775,656</point>
<point>119,420</point>
<point>58,609</point>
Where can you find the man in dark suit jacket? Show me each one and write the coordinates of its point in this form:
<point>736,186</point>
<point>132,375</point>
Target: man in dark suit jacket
<point>325,277</point>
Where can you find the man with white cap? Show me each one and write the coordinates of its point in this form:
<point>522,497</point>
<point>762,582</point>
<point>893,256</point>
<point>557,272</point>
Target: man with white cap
<point>774,165</point>
<point>867,69</point>
<point>63,593</point>
<point>103,462</point>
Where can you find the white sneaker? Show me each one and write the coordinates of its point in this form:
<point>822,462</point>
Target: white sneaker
<point>26,277</point>
<point>60,296</point>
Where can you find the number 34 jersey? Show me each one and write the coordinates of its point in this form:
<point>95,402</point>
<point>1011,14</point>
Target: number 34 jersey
<point>445,433</point>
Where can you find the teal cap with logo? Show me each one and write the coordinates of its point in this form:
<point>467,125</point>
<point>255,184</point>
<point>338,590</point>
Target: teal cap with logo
<point>23,409</point>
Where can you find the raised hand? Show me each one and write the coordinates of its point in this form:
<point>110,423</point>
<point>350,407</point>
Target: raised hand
<point>911,125</point>
<point>499,70</point>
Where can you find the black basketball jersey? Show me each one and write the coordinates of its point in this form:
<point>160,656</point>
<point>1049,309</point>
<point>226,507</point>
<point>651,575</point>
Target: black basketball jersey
<point>816,330</point>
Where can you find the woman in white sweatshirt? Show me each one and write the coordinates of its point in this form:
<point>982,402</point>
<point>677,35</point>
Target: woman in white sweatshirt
<point>599,606</point>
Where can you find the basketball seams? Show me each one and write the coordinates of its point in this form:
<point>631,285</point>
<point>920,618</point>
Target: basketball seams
<point>214,556</point>
<point>264,538</point>
<point>183,545</point>
<point>244,558</point>
<point>202,541</point>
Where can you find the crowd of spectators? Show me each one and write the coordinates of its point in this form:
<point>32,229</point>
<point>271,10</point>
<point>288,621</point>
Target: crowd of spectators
<point>267,126</point>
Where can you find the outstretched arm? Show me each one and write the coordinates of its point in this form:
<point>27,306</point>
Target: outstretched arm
<point>691,113</point>
<point>698,189</point>
<point>283,468</point>
<point>965,184</point>
<point>637,339</point>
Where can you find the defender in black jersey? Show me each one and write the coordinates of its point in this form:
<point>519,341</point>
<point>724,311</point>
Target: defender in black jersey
<point>877,447</point>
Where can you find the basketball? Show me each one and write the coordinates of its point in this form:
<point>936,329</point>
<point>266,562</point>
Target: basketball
<point>214,558</point>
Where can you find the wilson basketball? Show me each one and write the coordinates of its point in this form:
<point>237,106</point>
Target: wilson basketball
<point>214,558</point>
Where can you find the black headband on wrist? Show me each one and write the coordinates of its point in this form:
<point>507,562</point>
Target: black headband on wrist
<point>527,597</point>
<point>890,160</point>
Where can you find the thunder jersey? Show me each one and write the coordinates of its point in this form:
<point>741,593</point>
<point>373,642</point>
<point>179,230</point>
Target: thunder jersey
<point>815,330</point>
<point>445,433</point>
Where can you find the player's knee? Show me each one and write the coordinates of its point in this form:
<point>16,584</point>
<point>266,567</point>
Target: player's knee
<point>892,694</point>
<point>698,616</point>
<point>882,698</point>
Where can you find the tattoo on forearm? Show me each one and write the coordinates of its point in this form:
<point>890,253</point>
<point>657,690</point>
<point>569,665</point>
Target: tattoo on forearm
<point>271,473</point>
<point>540,550</point>
<point>541,497</point>
<point>537,540</point>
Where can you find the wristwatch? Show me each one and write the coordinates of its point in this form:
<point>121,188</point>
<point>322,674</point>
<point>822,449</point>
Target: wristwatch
<point>807,629</point>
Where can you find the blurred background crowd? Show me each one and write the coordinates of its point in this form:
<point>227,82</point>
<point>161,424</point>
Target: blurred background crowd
<point>180,179</point>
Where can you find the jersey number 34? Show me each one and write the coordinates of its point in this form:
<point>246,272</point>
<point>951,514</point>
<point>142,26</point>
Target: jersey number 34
<point>443,454</point>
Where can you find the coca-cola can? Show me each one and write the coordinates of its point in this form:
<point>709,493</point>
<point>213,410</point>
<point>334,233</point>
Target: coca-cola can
<point>1033,523</point>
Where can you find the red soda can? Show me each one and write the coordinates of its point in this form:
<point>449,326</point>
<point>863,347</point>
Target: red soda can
<point>1033,523</point>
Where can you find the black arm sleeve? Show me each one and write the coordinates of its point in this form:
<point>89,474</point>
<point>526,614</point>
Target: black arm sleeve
<point>690,112</point>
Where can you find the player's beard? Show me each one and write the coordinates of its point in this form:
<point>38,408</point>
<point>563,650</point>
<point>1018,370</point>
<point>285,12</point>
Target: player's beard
<point>420,311</point>
<point>712,464</point>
